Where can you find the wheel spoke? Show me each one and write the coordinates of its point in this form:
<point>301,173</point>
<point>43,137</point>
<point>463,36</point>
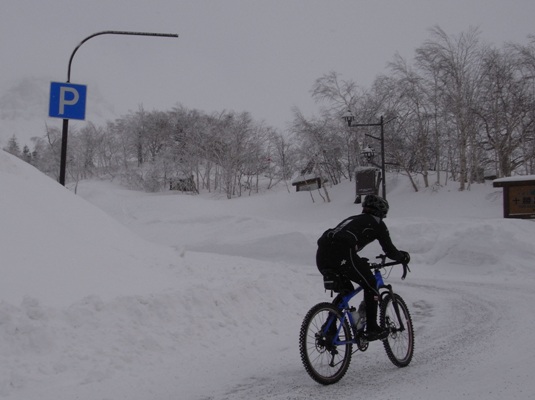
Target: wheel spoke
<point>324,361</point>
<point>399,345</point>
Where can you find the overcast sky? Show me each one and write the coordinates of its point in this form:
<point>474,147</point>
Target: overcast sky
<point>243,55</point>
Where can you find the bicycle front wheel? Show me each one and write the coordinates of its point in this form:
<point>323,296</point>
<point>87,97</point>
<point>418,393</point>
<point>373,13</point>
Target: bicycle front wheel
<point>399,345</point>
<point>325,343</point>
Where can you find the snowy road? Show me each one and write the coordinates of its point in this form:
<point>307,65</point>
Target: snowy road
<point>461,330</point>
<point>470,295</point>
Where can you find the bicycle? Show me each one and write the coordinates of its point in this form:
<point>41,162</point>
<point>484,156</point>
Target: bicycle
<point>329,330</point>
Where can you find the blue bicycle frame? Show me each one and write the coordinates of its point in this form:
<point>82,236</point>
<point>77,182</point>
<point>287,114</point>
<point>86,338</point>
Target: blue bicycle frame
<point>342,302</point>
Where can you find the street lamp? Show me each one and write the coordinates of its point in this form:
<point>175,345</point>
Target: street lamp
<point>65,129</point>
<point>349,118</point>
<point>369,153</point>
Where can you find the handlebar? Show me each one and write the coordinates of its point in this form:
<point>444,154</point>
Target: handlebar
<point>383,264</point>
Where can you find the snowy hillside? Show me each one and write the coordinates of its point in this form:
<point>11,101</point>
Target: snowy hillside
<point>117,294</point>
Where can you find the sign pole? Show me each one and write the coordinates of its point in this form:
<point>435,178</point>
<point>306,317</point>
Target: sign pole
<point>63,162</point>
<point>65,130</point>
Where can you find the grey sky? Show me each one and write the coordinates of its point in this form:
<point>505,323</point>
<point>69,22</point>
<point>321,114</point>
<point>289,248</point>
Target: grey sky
<point>259,56</point>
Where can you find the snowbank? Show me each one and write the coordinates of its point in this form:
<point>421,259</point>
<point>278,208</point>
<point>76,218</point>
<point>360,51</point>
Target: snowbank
<point>119,294</point>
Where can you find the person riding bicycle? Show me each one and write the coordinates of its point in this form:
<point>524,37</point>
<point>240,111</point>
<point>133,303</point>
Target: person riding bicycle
<point>338,248</point>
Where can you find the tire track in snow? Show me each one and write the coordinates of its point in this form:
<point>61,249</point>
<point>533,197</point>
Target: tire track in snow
<point>454,322</point>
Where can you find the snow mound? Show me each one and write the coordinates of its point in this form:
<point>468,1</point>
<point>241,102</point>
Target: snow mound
<point>67,248</point>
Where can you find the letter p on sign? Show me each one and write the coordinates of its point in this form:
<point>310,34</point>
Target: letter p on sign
<point>67,101</point>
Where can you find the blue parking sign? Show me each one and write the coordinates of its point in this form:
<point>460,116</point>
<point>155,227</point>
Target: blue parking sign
<point>67,100</point>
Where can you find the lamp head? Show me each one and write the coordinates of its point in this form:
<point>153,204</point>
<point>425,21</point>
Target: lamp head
<point>368,152</point>
<point>348,117</point>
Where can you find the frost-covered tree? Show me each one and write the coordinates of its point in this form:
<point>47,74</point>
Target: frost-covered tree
<point>13,146</point>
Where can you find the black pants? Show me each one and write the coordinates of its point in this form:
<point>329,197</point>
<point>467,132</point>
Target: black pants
<point>345,260</point>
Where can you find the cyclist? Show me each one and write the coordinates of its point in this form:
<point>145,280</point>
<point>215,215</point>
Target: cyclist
<point>338,248</point>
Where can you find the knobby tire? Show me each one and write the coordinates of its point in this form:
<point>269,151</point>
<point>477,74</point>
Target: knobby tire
<point>323,361</point>
<point>399,345</point>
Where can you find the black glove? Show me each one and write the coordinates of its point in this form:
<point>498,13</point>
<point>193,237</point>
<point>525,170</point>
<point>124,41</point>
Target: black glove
<point>405,257</point>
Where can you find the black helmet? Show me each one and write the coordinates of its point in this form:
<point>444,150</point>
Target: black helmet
<point>375,205</point>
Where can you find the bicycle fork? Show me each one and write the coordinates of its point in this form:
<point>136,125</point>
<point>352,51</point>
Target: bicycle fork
<point>395,305</point>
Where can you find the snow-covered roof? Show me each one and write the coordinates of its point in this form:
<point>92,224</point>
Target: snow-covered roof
<point>306,177</point>
<point>361,168</point>
<point>517,178</point>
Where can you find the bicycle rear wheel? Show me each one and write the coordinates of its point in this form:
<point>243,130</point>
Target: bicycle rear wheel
<point>325,343</point>
<point>399,345</point>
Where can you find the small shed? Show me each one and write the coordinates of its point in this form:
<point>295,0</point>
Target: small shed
<point>183,184</point>
<point>306,183</point>
<point>518,196</point>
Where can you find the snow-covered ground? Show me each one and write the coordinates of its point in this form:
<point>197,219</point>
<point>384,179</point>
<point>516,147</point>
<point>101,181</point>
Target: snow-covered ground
<point>115,294</point>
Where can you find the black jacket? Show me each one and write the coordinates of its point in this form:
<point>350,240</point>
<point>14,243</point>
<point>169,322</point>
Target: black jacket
<point>358,231</point>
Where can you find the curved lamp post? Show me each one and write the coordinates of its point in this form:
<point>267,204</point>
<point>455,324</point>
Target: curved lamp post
<point>65,129</point>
